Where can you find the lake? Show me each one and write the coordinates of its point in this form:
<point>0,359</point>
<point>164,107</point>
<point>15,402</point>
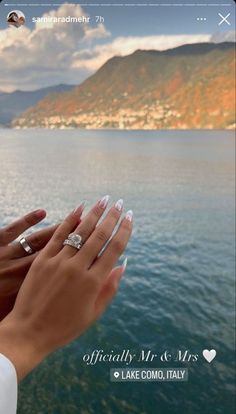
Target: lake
<point>178,291</point>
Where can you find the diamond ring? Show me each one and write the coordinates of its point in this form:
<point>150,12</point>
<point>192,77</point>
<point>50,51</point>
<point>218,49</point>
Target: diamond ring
<point>73,240</point>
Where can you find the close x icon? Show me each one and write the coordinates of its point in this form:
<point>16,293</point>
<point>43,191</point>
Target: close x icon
<point>224,19</point>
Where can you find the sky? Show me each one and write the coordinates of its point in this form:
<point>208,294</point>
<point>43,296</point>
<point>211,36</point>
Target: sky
<point>44,54</point>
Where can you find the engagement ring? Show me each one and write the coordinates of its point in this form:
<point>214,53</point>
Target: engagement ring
<point>73,240</point>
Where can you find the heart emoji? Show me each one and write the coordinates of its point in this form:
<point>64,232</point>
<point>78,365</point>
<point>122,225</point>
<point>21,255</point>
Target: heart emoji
<point>209,355</point>
<point>116,374</point>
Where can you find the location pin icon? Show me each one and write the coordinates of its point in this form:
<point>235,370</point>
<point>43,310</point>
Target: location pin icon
<point>116,374</point>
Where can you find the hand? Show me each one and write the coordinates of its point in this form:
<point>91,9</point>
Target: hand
<point>66,290</point>
<point>14,261</point>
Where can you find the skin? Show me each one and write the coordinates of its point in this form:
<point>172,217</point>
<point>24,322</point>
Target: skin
<point>14,261</point>
<point>65,290</point>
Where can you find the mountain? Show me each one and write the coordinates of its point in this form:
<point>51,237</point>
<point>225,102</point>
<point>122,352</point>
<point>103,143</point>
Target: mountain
<point>12,104</point>
<point>191,86</point>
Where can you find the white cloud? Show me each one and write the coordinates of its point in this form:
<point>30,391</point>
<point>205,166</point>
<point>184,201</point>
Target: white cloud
<point>92,59</point>
<point>223,37</point>
<point>44,55</point>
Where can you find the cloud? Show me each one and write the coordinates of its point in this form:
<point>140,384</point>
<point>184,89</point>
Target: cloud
<point>223,37</point>
<point>44,55</point>
<point>91,59</point>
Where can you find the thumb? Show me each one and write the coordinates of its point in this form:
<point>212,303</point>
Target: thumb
<point>109,289</point>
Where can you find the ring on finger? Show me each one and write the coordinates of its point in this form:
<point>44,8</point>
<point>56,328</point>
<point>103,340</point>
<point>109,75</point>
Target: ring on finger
<point>73,240</point>
<point>23,242</point>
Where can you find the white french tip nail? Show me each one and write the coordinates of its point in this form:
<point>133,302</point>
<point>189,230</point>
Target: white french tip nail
<point>124,265</point>
<point>80,209</point>
<point>104,201</point>
<point>119,204</point>
<point>129,215</point>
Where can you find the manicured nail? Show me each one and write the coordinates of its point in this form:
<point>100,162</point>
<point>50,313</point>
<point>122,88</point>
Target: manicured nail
<point>79,210</point>
<point>104,201</point>
<point>124,265</point>
<point>129,216</point>
<point>40,213</point>
<point>119,204</point>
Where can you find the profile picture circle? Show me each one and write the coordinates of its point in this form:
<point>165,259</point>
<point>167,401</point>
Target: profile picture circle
<point>16,18</point>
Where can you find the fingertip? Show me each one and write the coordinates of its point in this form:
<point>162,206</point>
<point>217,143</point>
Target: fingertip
<point>124,265</point>
<point>74,216</point>
<point>40,214</point>
<point>77,212</point>
<point>117,274</point>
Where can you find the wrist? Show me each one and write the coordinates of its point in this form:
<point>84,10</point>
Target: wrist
<point>18,346</point>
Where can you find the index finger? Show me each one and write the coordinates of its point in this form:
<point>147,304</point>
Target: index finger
<point>9,233</point>
<point>36,241</point>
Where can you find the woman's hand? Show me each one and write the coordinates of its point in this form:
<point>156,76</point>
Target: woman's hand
<point>14,261</point>
<point>66,289</point>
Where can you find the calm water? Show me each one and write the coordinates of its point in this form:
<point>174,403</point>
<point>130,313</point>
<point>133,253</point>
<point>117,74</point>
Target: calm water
<point>179,286</point>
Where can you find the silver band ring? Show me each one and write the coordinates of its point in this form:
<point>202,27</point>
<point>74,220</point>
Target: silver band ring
<point>26,246</point>
<point>73,240</point>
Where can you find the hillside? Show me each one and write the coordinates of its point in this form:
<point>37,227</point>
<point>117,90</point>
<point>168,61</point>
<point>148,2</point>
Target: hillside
<point>12,104</point>
<point>191,86</point>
